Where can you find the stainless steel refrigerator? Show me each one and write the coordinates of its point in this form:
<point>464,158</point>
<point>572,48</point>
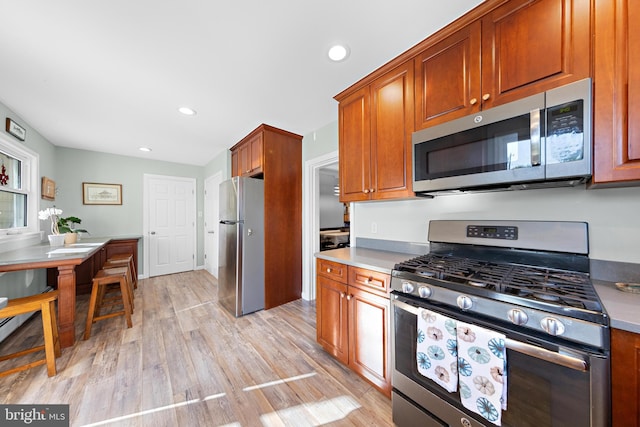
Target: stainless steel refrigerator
<point>241,239</point>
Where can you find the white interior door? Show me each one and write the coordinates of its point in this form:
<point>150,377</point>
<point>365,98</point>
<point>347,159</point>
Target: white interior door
<point>211,219</point>
<point>172,223</point>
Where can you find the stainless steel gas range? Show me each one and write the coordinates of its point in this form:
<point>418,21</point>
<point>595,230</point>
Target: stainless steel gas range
<point>523,284</point>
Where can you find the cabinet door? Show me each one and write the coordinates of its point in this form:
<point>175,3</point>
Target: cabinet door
<point>368,338</point>
<point>244,159</point>
<point>235,167</point>
<point>355,146</point>
<point>331,317</point>
<point>256,154</point>
<point>532,45</point>
<point>625,377</point>
<point>447,78</point>
<point>391,129</point>
<point>616,92</point>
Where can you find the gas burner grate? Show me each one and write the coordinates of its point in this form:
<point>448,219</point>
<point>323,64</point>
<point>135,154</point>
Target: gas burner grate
<point>562,288</point>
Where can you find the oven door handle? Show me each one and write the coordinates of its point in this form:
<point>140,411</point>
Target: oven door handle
<point>572,362</point>
<point>568,361</point>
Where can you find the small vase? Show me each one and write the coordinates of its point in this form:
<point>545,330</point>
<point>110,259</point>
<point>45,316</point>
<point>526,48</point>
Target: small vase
<point>70,238</point>
<point>56,239</point>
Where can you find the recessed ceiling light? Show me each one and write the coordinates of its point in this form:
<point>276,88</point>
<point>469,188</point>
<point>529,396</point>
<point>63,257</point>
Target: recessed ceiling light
<point>187,111</point>
<point>338,52</point>
<point>145,149</point>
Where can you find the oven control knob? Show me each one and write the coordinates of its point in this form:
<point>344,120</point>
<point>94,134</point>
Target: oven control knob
<point>407,287</point>
<point>552,326</point>
<point>517,316</point>
<point>464,302</point>
<point>424,291</point>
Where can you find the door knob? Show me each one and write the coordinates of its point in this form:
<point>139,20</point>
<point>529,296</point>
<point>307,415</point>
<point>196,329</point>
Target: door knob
<point>211,232</point>
<point>153,232</point>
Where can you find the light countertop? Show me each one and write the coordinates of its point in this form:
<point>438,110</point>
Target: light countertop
<point>44,252</point>
<point>623,308</point>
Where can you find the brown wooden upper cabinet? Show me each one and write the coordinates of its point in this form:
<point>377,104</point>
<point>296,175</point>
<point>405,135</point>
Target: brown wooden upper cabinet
<point>246,157</point>
<point>616,93</point>
<point>375,127</point>
<point>516,49</point>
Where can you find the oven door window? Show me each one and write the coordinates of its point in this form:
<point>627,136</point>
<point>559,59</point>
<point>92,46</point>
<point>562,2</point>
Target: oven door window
<point>539,393</point>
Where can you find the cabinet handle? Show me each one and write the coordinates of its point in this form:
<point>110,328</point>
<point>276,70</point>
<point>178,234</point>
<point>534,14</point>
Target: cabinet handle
<point>349,297</point>
<point>366,191</point>
<point>486,96</point>
<point>328,270</point>
<point>342,294</point>
<point>372,190</point>
<point>368,280</point>
<point>473,101</point>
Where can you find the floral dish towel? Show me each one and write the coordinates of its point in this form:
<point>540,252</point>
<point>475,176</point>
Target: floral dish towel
<point>436,349</point>
<point>482,362</point>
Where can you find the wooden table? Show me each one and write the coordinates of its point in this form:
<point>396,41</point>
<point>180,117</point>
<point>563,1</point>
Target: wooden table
<point>65,259</point>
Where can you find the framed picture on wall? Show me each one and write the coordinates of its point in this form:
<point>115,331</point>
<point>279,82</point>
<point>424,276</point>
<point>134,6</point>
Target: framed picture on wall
<point>101,194</point>
<point>48,188</point>
<point>15,129</point>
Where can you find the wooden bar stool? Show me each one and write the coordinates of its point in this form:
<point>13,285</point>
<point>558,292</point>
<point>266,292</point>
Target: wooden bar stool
<point>119,259</point>
<point>44,303</point>
<point>101,281</point>
<point>118,268</point>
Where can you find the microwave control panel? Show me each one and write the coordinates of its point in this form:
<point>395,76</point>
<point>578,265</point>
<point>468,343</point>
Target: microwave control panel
<point>565,132</point>
<point>492,232</point>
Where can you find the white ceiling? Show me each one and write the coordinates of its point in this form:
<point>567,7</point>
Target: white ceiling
<point>109,76</point>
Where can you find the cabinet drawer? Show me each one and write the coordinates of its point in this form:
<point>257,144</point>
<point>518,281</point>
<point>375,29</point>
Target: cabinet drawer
<point>369,280</point>
<point>333,270</point>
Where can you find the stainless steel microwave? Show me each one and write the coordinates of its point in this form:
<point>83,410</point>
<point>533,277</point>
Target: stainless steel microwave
<point>539,141</point>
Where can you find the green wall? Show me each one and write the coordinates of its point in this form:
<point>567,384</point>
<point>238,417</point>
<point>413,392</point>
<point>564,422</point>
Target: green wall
<point>78,166</point>
<point>320,142</point>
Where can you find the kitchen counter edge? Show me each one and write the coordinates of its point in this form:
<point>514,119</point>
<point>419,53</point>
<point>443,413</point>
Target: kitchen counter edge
<point>621,307</point>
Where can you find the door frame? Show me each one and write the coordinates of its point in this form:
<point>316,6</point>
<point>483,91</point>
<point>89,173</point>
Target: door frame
<point>145,217</point>
<point>216,176</point>
<point>311,220</point>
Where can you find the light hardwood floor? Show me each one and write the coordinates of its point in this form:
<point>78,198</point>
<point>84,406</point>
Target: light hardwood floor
<point>187,362</point>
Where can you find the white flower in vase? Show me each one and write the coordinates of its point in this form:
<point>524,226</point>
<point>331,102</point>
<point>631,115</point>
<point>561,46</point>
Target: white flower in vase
<point>53,214</point>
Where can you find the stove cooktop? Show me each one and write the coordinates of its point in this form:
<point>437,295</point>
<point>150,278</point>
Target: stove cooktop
<point>531,275</point>
<point>556,287</point>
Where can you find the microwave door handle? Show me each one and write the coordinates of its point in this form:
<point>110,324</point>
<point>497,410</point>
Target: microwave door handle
<point>536,146</point>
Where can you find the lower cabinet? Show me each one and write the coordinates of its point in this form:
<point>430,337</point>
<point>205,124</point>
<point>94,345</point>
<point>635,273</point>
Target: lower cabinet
<point>625,378</point>
<point>368,342</point>
<point>353,322</point>
<point>332,327</point>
